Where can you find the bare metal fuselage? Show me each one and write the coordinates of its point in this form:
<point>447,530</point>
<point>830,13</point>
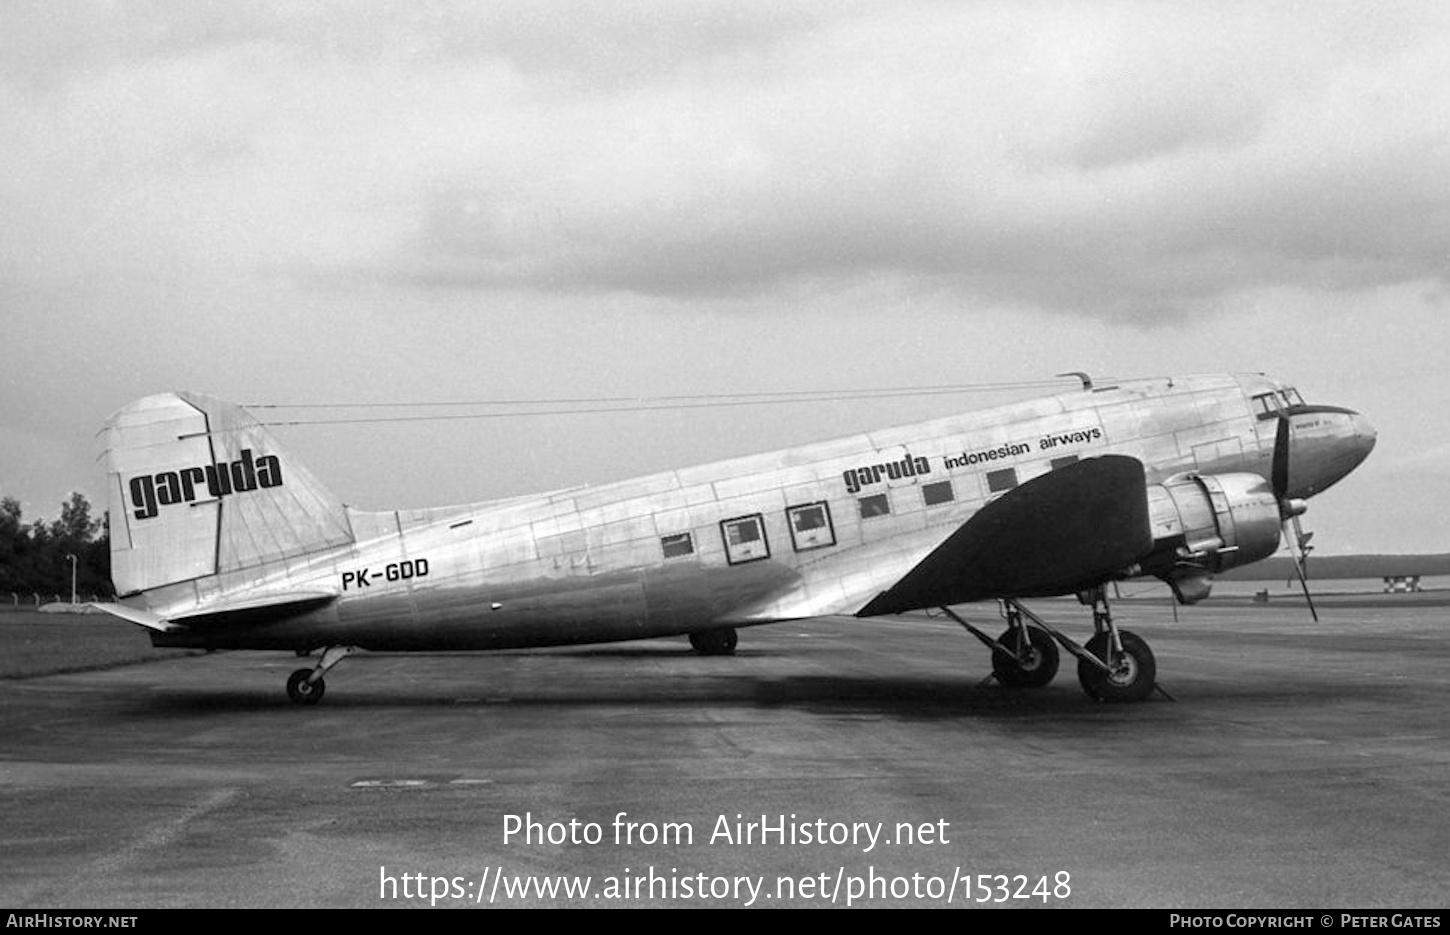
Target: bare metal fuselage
<point>610,562</point>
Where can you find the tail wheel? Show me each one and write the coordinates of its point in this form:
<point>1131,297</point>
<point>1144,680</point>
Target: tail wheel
<point>303,692</point>
<point>1131,673</point>
<point>718,642</point>
<point>1035,661</point>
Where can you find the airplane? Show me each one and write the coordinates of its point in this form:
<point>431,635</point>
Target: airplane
<point>220,540</point>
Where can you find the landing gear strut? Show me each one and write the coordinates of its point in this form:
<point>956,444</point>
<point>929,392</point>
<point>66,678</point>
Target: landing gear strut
<point>717,642</point>
<point>1130,670</point>
<point>305,686</point>
<point>1025,657</point>
<point>1115,665</point>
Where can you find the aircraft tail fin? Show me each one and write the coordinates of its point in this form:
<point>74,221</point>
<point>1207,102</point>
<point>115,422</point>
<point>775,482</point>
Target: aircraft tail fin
<point>197,487</point>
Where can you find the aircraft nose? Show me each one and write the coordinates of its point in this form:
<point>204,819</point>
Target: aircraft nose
<point>1362,438</point>
<point>1329,442</point>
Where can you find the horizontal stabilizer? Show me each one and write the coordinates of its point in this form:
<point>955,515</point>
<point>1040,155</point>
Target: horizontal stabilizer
<point>137,616</point>
<point>255,608</point>
<point>1065,531</point>
<point>241,610</point>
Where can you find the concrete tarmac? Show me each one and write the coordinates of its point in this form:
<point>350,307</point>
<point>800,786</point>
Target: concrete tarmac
<point>1303,766</point>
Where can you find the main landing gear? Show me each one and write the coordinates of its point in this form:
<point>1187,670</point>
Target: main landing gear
<point>1115,665</point>
<point>718,642</point>
<point>305,686</point>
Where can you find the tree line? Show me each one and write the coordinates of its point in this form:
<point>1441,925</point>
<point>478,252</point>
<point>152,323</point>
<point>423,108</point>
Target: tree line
<point>34,557</point>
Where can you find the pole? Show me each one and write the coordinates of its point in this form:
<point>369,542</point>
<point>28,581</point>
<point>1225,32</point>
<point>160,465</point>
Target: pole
<point>72,578</point>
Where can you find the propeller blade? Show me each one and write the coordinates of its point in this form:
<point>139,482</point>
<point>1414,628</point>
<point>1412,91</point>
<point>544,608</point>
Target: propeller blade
<point>1279,476</point>
<point>1303,538</point>
<point>1289,510</point>
<point>1299,569</point>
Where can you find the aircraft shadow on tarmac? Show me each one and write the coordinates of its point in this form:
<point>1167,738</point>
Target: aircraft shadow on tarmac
<point>719,683</point>
<point>857,697</point>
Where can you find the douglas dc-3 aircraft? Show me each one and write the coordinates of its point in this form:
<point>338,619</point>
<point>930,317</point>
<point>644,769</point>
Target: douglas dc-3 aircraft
<point>219,540</point>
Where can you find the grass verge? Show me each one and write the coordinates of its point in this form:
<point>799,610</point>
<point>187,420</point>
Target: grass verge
<point>33,644</point>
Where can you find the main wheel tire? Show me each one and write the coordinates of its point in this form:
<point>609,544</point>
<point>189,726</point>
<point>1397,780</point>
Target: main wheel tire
<point>718,642</point>
<point>1033,666</point>
<point>301,692</point>
<point>1132,673</point>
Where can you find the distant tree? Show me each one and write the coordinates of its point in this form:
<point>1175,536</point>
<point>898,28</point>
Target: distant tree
<point>9,516</point>
<point>34,557</point>
<point>35,561</point>
<point>95,559</point>
<point>12,544</point>
<point>75,524</point>
<point>96,562</point>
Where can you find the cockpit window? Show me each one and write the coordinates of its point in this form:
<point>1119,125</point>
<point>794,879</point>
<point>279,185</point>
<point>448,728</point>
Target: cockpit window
<point>1270,405</point>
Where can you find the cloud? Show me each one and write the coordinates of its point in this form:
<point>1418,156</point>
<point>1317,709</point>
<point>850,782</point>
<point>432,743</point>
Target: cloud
<point>1432,461</point>
<point>1125,159</point>
<point>1151,167</point>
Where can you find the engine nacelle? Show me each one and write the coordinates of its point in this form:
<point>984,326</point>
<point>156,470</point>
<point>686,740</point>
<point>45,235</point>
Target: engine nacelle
<point>1206,523</point>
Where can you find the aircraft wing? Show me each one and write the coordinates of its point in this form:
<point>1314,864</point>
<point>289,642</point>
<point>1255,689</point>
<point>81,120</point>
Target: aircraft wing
<point>1065,531</point>
<point>244,609</point>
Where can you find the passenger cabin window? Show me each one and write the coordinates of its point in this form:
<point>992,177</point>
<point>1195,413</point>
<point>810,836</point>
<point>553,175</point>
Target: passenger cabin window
<point>1063,462</point>
<point>745,539</point>
<point>677,545</point>
<point>810,526</point>
<point>874,505</point>
<point>1005,479</point>
<point>937,493</point>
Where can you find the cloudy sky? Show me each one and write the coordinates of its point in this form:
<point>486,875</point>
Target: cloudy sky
<point>286,203</point>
